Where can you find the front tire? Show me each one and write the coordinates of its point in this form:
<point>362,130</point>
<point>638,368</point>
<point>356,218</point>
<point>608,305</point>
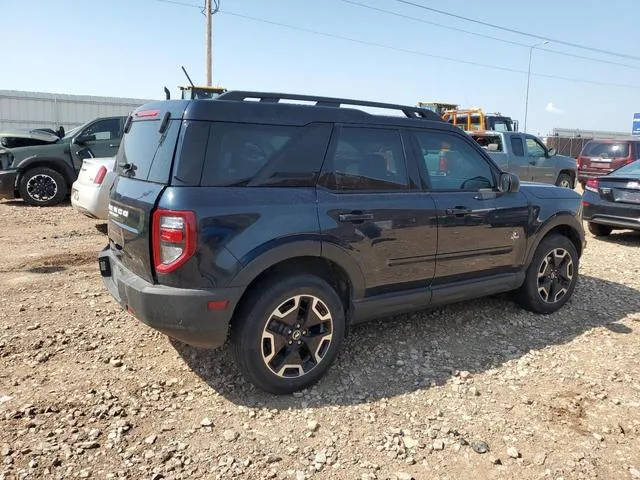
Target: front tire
<point>551,277</point>
<point>288,333</point>
<point>599,230</point>
<point>42,186</point>
<point>565,180</point>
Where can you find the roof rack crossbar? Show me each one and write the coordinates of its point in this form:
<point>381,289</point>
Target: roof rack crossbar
<point>269,97</point>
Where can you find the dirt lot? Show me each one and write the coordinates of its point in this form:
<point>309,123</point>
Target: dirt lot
<point>86,391</point>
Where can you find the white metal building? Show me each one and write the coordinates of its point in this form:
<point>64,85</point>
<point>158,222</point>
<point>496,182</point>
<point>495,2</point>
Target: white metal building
<point>20,110</point>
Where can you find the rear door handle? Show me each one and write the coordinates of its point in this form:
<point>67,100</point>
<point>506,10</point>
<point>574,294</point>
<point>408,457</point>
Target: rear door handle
<point>355,217</point>
<point>113,145</point>
<point>458,211</point>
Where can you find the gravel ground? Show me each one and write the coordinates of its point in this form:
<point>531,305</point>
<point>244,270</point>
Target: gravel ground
<point>474,390</point>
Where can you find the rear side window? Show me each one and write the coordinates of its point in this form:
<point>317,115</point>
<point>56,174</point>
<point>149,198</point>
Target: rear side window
<point>606,150</point>
<point>264,155</point>
<point>517,146</point>
<point>146,153</point>
<point>366,159</point>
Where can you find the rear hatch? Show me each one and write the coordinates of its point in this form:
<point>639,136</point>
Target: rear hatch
<point>143,166</point>
<point>603,157</point>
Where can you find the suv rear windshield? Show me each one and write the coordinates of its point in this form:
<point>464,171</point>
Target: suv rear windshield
<point>148,152</point>
<point>606,150</point>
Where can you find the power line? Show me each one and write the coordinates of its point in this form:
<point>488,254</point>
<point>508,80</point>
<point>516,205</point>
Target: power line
<point>482,35</point>
<point>423,54</point>
<point>413,52</point>
<point>511,30</point>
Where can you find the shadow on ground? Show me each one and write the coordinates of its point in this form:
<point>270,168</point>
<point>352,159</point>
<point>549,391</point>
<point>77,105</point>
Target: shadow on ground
<point>405,353</point>
<point>18,202</point>
<point>629,238</point>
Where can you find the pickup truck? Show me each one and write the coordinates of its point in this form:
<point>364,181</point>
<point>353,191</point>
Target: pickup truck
<point>43,174</point>
<point>529,158</point>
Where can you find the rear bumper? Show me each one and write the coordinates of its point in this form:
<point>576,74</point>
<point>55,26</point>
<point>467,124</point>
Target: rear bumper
<point>612,216</point>
<point>179,313</point>
<point>584,175</point>
<point>90,200</point>
<point>8,183</point>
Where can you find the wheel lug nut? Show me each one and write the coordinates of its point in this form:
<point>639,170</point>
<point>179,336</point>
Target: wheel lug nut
<point>290,342</point>
<point>299,342</point>
<point>289,332</point>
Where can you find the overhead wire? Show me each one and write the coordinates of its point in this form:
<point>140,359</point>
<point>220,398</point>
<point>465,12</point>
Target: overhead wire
<point>408,51</point>
<point>518,32</point>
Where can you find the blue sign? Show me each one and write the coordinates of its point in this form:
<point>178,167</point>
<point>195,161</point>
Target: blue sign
<point>635,130</point>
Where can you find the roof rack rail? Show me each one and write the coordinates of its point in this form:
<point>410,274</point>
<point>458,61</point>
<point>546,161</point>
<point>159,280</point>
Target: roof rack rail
<point>270,97</point>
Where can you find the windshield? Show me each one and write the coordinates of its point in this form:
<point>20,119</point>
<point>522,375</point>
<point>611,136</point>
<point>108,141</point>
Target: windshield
<point>629,170</point>
<point>606,150</point>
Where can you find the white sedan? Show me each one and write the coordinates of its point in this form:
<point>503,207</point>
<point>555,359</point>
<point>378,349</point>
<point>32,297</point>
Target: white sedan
<point>90,192</point>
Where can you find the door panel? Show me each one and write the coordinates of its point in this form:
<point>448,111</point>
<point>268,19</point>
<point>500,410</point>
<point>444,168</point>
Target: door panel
<point>518,160</point>
<point>369,206</point>
<point>392,236</point>
<point>481,231</point>
<point>102,139</point>
<point>485,236</point>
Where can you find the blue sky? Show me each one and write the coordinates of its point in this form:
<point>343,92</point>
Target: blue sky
<point>132,48</point>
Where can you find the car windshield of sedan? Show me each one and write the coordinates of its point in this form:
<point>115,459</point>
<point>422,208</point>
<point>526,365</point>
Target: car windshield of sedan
<point>629,170</point>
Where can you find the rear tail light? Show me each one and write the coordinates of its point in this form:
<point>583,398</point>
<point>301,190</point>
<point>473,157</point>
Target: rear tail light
<point>592,185</point>
<point>102,172</point>
<point>579,162</point>
<point>174,238</point>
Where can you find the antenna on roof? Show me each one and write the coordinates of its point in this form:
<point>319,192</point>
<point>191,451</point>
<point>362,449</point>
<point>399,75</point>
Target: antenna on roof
<point>188,77</point>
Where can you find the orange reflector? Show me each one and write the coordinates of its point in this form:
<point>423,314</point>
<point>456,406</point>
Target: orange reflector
<point>218,304</point>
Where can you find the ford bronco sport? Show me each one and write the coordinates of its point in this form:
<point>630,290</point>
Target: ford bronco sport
<point>279,225</point>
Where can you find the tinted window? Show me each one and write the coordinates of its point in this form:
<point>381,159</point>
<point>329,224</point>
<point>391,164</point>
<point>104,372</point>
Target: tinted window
<point>606,150</point>
<point>148,151</point>
<point>298,164</point>
<point>535,149</point>
<point>517,146</point>
<point>366,159</point>
<point>453,164</point>
<point>237,152</point>
<point>107,129</point>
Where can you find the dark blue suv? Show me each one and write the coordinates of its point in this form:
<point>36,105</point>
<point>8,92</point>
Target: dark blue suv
<point>278,221</point>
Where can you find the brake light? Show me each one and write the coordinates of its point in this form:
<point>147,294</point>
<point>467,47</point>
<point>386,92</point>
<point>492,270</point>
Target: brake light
<point>102,172</point>
<point>174,238</point>
<point>147,113</point>
<point>579,161</point>
<point>592,185</point>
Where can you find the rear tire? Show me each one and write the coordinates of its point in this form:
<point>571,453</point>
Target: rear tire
<point>565,180</point>
<point>600,230</point>
<point>288,333</point>
<point>43,187</point>
<point>551,277</point>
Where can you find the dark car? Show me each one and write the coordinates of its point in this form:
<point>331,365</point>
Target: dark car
<point>600,157</point>
<point>612,201</point>
<point>280,225</point>
<point>42,175</point>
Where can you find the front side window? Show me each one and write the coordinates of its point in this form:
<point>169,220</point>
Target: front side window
<point>535,149</point>
<point>453,164</point>
<point>366,159</point>
<point>108,129</point>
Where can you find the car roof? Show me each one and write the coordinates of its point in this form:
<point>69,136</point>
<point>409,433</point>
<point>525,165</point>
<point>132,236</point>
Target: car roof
<point>277,109</point>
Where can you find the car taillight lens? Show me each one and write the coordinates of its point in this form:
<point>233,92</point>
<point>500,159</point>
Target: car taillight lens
<point>102,172</point>
<point>174,238</point>
<point>592,185</point>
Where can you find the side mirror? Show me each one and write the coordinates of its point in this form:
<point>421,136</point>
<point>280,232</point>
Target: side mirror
<point>82,139</point>
<point>553,152</point>
<point>509,183</point>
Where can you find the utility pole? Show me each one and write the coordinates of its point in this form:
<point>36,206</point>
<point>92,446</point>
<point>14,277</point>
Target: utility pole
<point>526,102</point>
<point>208,13</point>
<point>210,7</point>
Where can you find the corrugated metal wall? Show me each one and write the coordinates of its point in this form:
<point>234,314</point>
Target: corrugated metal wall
<point>20,110</point>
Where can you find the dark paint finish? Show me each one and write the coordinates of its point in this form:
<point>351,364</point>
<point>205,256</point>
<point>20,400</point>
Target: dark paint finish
<point>616,204</point>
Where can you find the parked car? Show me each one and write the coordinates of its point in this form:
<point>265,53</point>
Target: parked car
<point>281,225</point>
<point>42,175</point>
<point>90,192</point>
<point>600,157</point>
<point>528,157</point>
<point>26,138</point>
<point>612,201</point>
